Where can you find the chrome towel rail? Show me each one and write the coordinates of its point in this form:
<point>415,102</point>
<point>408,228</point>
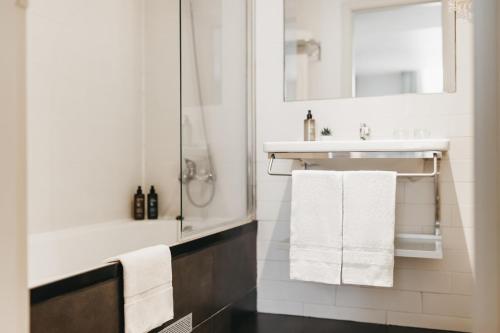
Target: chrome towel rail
<point>434,155</point>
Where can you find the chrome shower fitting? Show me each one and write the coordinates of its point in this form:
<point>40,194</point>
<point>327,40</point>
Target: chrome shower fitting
<point>191,172</point>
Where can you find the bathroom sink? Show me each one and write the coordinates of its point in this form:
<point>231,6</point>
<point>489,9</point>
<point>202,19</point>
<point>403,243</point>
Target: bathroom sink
<point>357,146</point>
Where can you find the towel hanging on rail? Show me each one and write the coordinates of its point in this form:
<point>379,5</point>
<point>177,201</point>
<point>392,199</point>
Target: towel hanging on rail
<point>368,228</point>
<point>316,226</point>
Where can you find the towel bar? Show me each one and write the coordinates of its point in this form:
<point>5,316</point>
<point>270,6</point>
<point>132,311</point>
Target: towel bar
<point>407,245</point>
<point>358,155</point>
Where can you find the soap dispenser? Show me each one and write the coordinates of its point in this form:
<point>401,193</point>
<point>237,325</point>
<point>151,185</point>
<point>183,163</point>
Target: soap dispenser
<point>152,204</point>
<point>139,208</point>
<point>309,127</point>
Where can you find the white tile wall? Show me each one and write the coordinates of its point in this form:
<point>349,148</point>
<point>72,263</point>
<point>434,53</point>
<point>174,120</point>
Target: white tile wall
<point>429,321</point>
<point>344,313</point>
<point>427,293</point>
<point>447,305</point>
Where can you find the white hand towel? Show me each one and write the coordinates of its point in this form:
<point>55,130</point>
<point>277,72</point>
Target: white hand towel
<point>316,226</point>
<point>369,222</point>
<point>147,284</point>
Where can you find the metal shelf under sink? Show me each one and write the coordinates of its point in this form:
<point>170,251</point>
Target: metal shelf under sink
<point>419,246</point>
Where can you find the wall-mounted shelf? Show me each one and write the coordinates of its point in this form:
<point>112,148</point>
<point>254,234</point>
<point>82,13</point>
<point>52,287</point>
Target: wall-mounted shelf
<point>407,245</point>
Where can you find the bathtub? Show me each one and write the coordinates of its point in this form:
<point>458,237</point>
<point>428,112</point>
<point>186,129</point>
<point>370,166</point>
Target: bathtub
<point>59,254</point>
<point>56,255</point>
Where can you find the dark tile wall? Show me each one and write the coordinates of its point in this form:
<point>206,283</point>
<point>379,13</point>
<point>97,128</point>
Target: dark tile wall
<point>91,309</point>
<point>213,278</point>
<point>231,318</point>
<point>210,279</point>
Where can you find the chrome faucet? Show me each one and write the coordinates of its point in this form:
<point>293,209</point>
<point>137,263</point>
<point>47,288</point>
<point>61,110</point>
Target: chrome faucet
<point>364,131</point>
<point>191,172</point>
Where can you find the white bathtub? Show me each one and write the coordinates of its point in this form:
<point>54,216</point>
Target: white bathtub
<point>59,254</point>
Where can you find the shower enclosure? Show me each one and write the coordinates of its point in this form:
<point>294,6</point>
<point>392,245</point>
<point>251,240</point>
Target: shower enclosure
<point>216,115</point>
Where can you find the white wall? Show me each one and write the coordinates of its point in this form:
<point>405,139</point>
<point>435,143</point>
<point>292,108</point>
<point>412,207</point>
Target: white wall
<point>84,111</point>
<point>13,279</point>
<point>162,103</point>
<point>486,159</point>
<point>498,161</point>
<point>104,98</point>
<point>433,294</point>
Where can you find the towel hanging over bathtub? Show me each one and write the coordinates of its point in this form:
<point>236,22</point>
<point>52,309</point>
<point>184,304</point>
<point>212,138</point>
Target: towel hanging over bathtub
<point>316,226</point>
<point>368,228</point>
<point>147,284</point>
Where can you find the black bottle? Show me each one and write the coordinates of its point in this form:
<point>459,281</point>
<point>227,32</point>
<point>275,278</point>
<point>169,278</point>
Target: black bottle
<point>139,208</point>
<point>152,204</point>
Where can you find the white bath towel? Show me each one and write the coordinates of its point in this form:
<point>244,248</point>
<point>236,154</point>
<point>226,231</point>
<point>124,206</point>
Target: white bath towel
<point>369,222</point>
<point>316,226</point>
<point>147,284</point>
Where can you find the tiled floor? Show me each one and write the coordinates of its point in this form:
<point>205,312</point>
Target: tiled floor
<point>270,323</point>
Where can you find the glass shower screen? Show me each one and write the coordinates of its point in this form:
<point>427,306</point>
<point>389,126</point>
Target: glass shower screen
<point>214,114</point>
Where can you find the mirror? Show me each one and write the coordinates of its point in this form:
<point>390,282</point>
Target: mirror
<point>360,48</point>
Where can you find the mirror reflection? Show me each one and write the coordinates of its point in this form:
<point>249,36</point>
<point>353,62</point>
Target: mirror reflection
<point>359,48</point>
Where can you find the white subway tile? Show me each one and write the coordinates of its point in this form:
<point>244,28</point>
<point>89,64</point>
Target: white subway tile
<point>268,250</point>
<point>419,280</point>
<point>460,126</point>
<point>418,215</point>
<point>463,216</point>
<point>379,298</point>
<point>457,170</point>
<point>340,313</point>
<point>273,231</point>
<point>273,210</point>
<point>400,211</point>
<point>465,193</point>
<point>461,149</point>
<point>400,192</point>
<point>274,191</point>
<point>447,193</point>
<point>419,193</point>
<point>408,229</point>
<point>447,305</point>
<point>458,238</point>
<point>462,283</point>
<point>429,321</point>
<point>273,270</point>
<point>446,215</point>
<point>295,291</point>
<point>453,261</point>
<point>279,307</point>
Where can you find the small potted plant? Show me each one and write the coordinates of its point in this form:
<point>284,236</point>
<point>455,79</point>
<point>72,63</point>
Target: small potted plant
<point>326,134</point>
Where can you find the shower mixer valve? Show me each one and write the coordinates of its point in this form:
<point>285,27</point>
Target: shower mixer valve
<point>191,172</point>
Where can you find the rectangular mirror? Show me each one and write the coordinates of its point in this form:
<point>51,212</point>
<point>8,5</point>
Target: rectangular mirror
<point>360,48</point>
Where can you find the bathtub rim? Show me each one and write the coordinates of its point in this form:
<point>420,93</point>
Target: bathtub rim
<point>107,271</point>
<point>35,283</point>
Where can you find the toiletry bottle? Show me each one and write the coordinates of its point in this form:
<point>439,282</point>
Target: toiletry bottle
<point>152,204</point>
<point>139,208</point>
<point>309,127</point>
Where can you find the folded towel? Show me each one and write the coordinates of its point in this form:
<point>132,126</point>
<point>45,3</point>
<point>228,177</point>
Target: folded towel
<point>147,288</point>
<point>316,226</point>
<point>369,222</point>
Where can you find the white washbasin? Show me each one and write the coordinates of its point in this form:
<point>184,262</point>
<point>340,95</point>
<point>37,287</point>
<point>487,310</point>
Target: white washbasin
<point>357,146</point>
